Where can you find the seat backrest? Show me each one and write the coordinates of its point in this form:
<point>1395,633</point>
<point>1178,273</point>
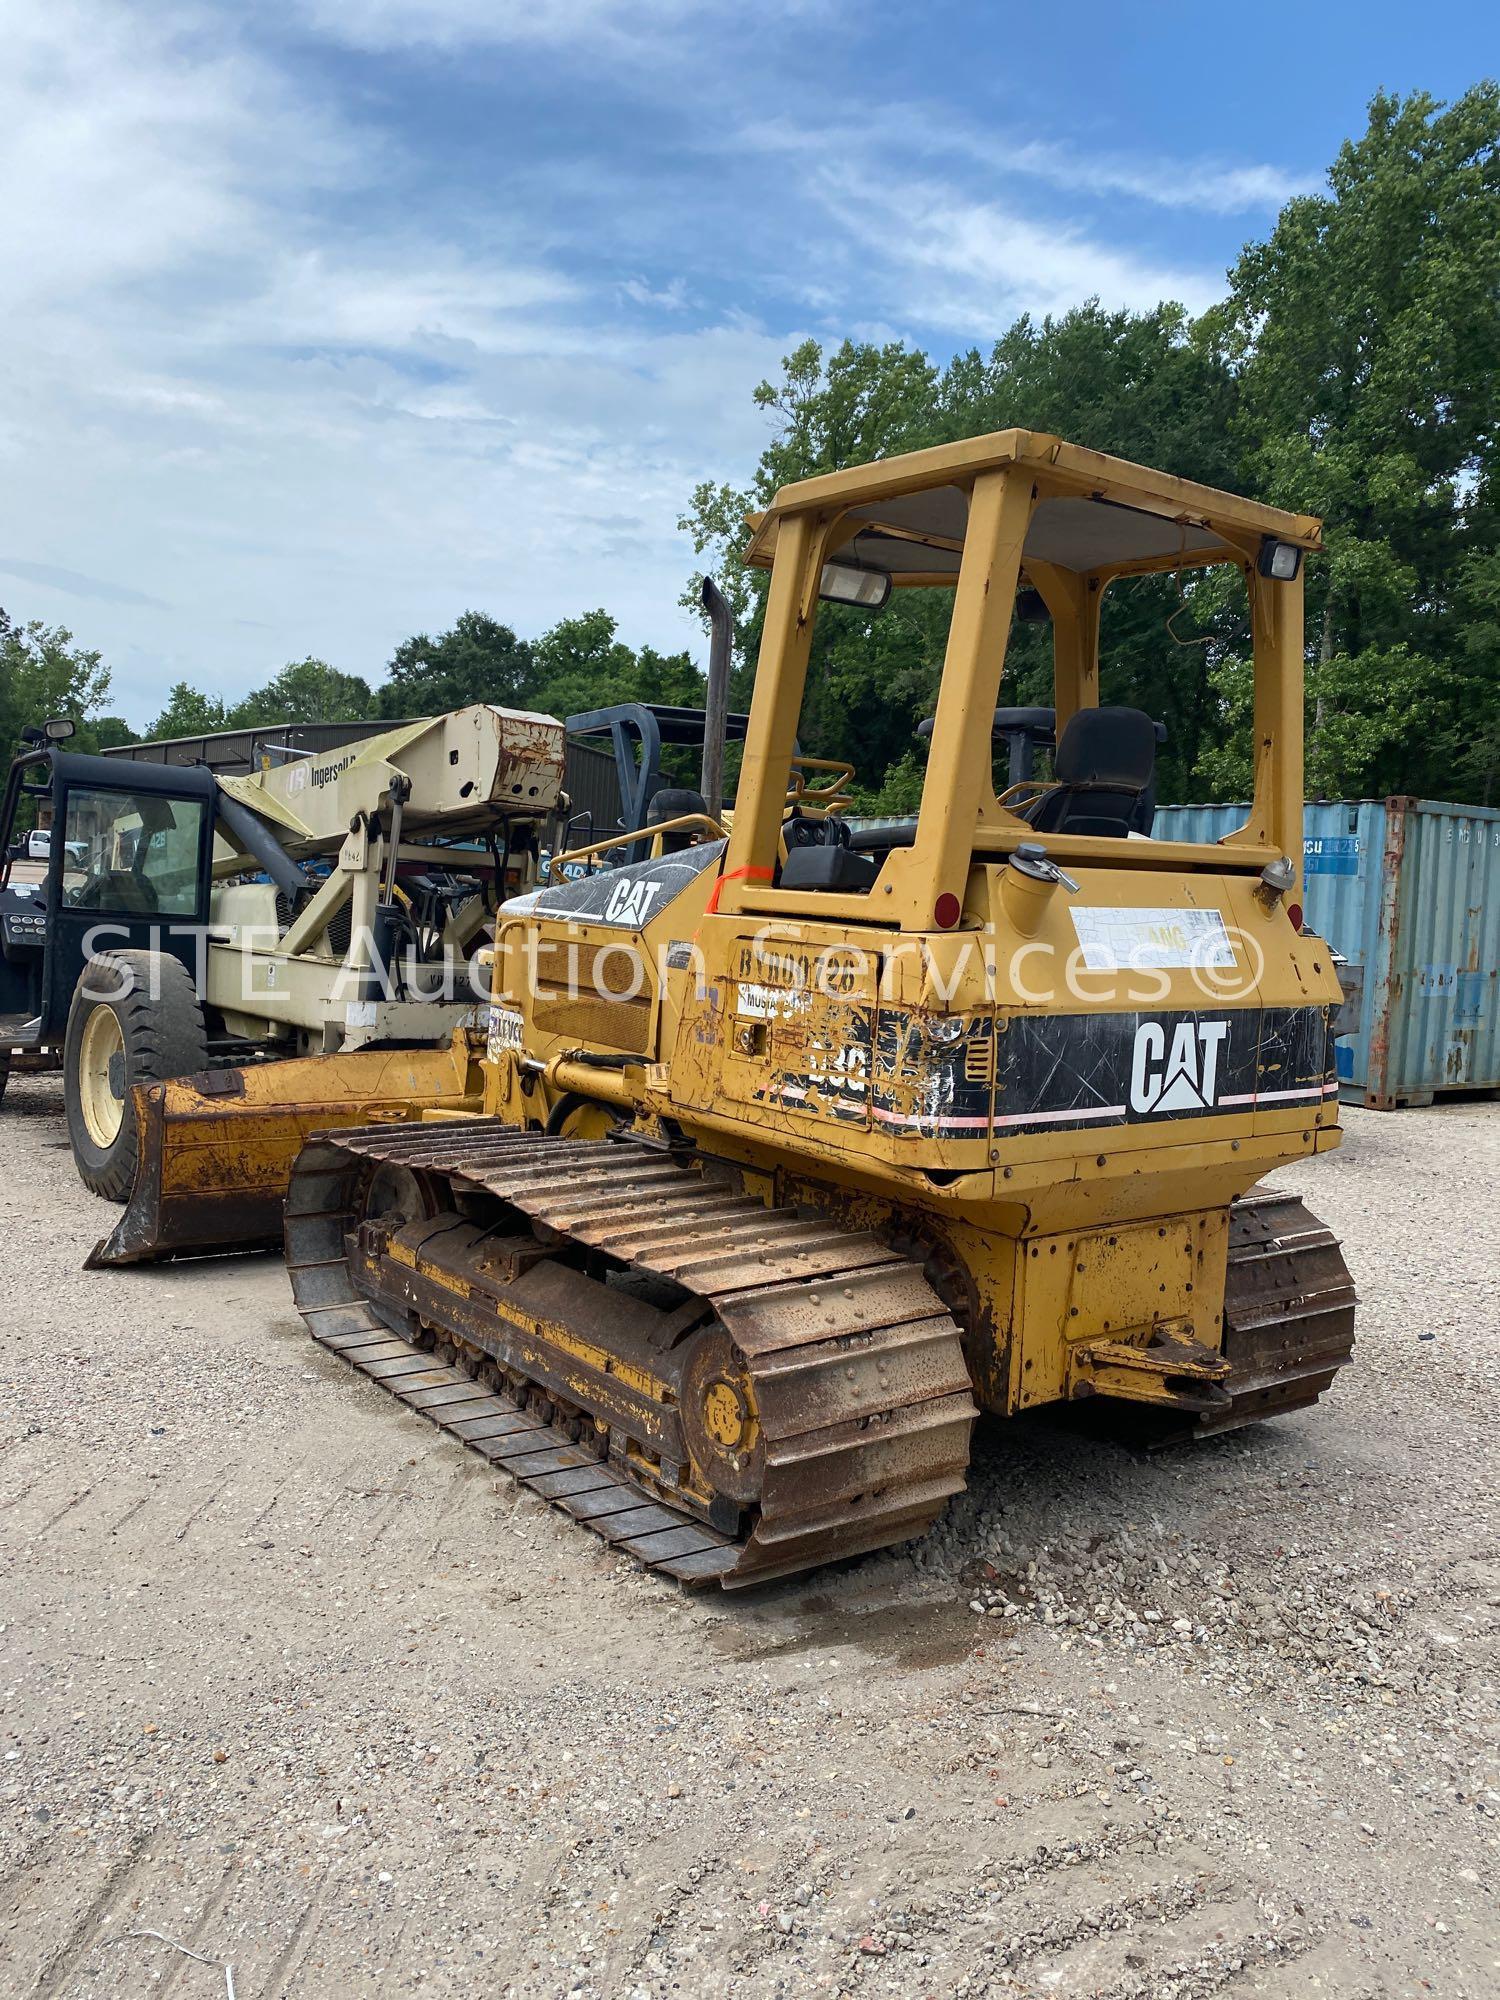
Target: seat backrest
<point>1104,764</point>
<point>674,803</point>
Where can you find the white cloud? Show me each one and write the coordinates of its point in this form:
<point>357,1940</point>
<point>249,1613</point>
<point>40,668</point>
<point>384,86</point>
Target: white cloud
<point>272,434</point>
<point>132,143</point>
<point>970,267</point>
<point>409,298</point>
<point>454,24</point>
<point>918,133</point>
<point>72,583</point>
<point>269,386</point>
<point>1211,185</point>
<point>673,296</point>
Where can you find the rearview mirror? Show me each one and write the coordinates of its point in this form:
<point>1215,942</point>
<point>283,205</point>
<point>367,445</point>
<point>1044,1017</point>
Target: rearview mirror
<point>844,583</point>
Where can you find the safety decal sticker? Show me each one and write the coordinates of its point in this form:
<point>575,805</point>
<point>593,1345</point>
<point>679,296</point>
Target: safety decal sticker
<point>1122,940</point>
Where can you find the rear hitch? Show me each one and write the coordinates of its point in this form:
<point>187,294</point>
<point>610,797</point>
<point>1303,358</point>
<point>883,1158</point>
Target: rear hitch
<point>1168,1366</point>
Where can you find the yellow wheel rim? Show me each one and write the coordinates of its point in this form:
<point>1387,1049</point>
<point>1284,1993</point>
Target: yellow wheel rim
<point>103,1111</point>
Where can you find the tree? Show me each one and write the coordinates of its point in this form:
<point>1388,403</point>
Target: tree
<point>1365,336</point>
<point>1476,656</point>
<point>104,732</point>
<point>1146,386</point>
<point>189,713</point>
<point>581,664</point>
<point>479,659</point>
<point>43,673</point>
<point>1143,385</point>
<point>1353,371</point>
<point>305,691</point>
<point>868,677</point>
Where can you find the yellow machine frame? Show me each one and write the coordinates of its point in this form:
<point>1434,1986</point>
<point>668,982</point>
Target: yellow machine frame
<point>1093,1260</point>
<point>1005,477</point>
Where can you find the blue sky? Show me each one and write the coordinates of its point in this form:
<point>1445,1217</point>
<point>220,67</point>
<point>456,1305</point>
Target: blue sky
<point>326,319</point>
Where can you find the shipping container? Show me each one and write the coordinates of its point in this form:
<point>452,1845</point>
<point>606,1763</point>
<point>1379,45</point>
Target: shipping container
<point>1408,890</point>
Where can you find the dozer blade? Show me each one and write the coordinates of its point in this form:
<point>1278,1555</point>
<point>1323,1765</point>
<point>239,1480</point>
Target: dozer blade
<point>216,1149</point>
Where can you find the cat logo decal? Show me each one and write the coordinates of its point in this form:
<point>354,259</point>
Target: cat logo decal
<point>1177,1076</point>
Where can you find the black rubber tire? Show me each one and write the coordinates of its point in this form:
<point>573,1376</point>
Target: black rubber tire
<point>4,1072</point>
<point>163,1038</point>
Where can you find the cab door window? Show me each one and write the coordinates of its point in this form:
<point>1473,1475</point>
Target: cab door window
<point>132,852</point>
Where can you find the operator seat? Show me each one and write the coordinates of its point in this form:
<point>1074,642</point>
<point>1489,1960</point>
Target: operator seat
<point>675,803</point>
<point>1104,765</point>
<point>116,889</point>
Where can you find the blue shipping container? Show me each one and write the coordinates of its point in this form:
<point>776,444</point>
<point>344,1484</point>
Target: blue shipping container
<point>1409,891</point>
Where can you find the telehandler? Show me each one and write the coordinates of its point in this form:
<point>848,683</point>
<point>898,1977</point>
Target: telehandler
<point>799,1147</point>
<point>211,920</point>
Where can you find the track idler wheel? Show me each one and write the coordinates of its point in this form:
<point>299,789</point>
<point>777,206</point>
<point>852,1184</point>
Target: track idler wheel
<point>720,1420</point>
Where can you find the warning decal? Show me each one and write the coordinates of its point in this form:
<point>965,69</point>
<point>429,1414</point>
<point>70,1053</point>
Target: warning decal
<point>1121,940</point>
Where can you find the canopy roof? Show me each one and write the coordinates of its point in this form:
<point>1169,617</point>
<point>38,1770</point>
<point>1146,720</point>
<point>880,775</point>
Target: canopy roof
<point>1096,515</point>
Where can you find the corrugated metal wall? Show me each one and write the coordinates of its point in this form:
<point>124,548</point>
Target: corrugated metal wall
<point>1409,891</point>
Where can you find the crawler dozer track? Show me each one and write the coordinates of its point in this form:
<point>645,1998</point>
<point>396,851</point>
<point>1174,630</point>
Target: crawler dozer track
<point>727,1392</point>
<point>1288,1315</point>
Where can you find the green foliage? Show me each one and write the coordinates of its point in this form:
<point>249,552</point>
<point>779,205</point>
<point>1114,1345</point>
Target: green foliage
<point>1142,385</point>
<point>478,660</point>
<point>1475,746</point>
<point>580,664</point>
<point>1353,372</point>
<point>105,732</point>
<point>1145,386</point>
<point>1365,338</point>
<point>1225,768</point>
<point>42,674</point>
<point>189,713</point>
<point>899,795</point>
<point>1368,716</point>
<point>1364,723</point>
<point>305,691</point>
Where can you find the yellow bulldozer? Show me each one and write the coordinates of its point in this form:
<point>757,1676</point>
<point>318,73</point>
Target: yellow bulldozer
<point>787,1150</point>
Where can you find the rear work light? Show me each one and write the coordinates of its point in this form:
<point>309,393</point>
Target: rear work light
<point>1279,560</point>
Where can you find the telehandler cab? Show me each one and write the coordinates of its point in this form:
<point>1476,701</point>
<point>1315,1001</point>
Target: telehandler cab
<point>802,1146</point>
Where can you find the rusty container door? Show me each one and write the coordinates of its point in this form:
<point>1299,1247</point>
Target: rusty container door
<point>1436,1023</point>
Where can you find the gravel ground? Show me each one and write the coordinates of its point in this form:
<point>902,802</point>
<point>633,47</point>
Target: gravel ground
<point>293,1681</point>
